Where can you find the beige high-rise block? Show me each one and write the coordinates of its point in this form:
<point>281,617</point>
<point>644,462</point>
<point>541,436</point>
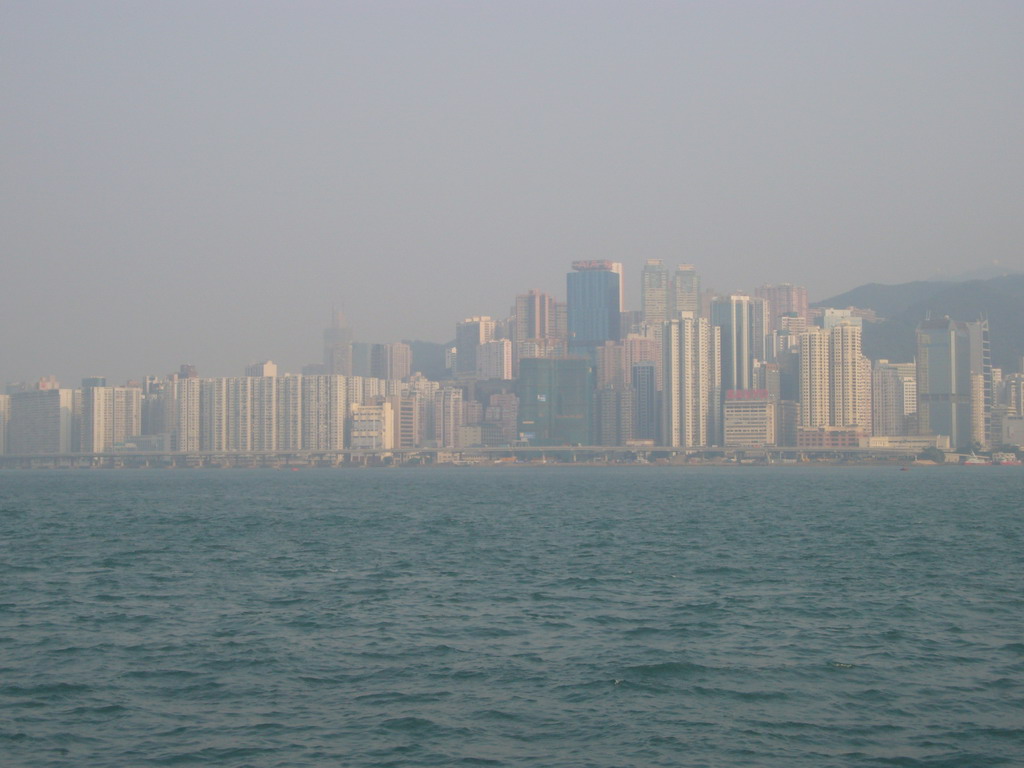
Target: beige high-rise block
<point>692,382</point>
<point>815,400</point>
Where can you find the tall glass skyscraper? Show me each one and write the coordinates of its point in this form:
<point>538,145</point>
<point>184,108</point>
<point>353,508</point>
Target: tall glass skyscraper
<point>954,380</point>
<point>593,295</point>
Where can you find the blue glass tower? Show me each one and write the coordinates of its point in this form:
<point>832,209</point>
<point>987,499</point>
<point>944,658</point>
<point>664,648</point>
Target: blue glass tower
<point>592,292</point>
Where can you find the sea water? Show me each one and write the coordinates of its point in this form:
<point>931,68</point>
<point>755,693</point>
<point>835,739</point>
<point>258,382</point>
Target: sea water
<point>510,616</point>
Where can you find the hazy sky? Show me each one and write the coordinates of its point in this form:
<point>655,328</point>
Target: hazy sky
<point>201,181</point>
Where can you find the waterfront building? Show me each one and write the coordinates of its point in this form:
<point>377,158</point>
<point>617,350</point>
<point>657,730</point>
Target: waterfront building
<point>238,413</point>
<point>645,405</point>
<point>815,396</point>
<point>406,412</point>
<point>265,422</point>
<point>5,415</point>
<point>850,378</point>
<point>953,380</point>
<point>828,438</point>
<point>691,408</point>
<point>835,379</point>
<point>289,413</point>
<point>213,415</point>
<point>110,417</point>
<point>185,402</point>
<point>153,407</point>
<point>325,408</point>
<point>749,418</point>
<point>41,421</point>
<point>555,401</point>
<point>470,436</point>
<point>788,422</point>
<point>372,427</point>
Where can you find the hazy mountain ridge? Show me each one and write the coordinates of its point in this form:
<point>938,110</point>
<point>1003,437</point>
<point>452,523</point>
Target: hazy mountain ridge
<point>903,306</point>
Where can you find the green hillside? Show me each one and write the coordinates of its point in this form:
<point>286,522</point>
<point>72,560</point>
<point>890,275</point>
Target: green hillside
<point>903,306</point>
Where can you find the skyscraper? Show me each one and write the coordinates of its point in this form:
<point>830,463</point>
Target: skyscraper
<point>264,413</point>
<point>686,288</point>
<point>110,415</point>
<point>894,398</point>
<point>448,416</point>
<point>743,322</point>
<point>593,298</point>
<point>538,327</point>
<point>656,294</point>
<point>41,421</point>
<point>469,335</point>
<point>815,399</point>
<point>783,300</point>
<point>390,361</point>
<point>289,413</point>
<point>850,378</point>
<point>645,407</point>
<point>835,379</point>
<point>324,412</point>
<point>534,316</point>
<point>338,347</point>
<point>494,360</point>
<point>186,412</point>
<point>954,374</point>
<point>691,400</point>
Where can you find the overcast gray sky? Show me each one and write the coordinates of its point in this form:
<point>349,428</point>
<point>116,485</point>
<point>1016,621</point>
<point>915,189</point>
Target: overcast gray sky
<point>200,182</point>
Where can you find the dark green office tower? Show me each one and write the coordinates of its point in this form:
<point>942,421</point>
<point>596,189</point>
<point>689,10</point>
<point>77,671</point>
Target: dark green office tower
<point>954,380</point>
<point>555,399</point>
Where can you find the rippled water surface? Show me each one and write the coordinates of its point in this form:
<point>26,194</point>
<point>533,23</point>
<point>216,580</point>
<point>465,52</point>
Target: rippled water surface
<point>513,617</point>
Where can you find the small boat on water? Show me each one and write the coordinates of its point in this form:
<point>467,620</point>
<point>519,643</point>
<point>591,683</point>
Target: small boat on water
<point>1006,460</point>
<point>974,460</point>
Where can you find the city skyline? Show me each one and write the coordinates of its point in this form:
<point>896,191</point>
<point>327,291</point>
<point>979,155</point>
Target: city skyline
<point>169,169</point>
<point>690,369</point>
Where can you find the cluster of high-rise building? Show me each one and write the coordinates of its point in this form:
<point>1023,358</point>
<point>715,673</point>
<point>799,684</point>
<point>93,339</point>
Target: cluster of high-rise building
<point>687,369</point>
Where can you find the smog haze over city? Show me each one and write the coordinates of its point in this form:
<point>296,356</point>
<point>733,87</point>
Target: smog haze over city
<point>203,182</point>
